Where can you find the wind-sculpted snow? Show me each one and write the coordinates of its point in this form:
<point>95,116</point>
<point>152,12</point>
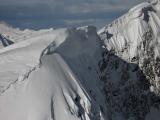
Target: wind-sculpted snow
<point>52,77</point>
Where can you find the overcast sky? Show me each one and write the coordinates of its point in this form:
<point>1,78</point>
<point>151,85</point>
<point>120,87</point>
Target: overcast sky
<point>62,13</point>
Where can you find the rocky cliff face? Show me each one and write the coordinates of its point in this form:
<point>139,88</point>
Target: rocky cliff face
<point>4,41</point>
<point>130,65</point>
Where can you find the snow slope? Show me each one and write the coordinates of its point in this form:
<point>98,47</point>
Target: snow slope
<point>48,82</point>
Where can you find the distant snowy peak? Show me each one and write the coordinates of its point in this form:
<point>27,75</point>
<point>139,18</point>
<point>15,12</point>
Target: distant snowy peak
<point>17,35</point>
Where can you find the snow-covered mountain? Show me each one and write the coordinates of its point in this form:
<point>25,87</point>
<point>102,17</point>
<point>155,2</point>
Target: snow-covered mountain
<point>52,77</point>
<point>135,38</point>
<point>77,74</point>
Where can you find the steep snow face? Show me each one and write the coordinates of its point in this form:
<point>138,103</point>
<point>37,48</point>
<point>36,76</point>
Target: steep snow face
<point>52,77</point>
<point>132,65</point>
<point>126,35</point>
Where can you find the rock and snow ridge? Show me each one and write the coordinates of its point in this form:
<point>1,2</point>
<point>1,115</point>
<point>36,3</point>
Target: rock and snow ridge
<point>135,39</point>
<point>65,74</point>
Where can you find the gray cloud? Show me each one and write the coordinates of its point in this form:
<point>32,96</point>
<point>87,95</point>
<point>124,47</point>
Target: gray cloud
<point>61,13</point>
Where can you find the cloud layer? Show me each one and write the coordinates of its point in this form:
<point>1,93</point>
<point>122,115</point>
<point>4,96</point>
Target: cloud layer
<point>62,13</point>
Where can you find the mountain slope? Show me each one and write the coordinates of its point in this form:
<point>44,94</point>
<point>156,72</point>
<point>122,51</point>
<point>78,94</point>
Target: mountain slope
<point>135,39</point>
<point>44,83</point>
